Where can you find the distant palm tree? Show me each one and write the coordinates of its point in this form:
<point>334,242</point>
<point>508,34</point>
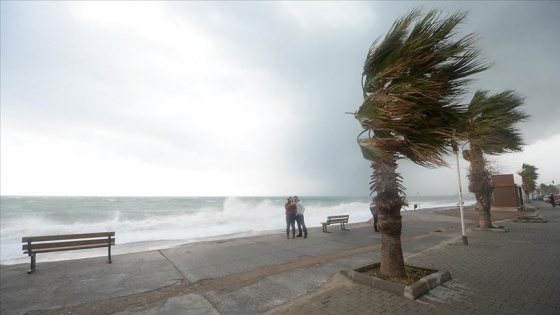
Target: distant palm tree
<point>489,128</point>
<point>529,177</point>
<point>411,82</point>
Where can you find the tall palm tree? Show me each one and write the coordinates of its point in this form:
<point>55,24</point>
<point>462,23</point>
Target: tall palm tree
<point>411,82</point>
<point>490,129</point>
<point>529,177</point>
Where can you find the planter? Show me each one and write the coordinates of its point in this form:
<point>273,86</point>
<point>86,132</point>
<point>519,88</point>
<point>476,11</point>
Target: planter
<point>412,291</point>
<point>530,220</point>
<point>492,229</point>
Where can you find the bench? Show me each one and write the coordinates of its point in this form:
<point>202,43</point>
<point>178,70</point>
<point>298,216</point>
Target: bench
<point>334,219</point>
<point>55,243</point>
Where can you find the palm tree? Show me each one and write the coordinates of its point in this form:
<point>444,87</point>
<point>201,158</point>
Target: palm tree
<point>489,129</point>
<point>411,82</point>
<point>529,177</point>
<point>548,189</point>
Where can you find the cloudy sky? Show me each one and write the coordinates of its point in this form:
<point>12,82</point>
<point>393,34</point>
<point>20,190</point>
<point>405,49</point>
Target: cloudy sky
<point>235,98</point>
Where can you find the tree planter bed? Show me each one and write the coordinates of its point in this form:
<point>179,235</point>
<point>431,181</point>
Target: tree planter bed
<point>530,220</point>
<point>492,229</point>
<point>412,291</point>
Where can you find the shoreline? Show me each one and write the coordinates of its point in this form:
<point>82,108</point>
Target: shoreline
<point>147,246</point>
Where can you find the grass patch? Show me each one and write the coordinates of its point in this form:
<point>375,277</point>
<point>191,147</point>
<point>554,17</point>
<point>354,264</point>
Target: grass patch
<point>530,220</point>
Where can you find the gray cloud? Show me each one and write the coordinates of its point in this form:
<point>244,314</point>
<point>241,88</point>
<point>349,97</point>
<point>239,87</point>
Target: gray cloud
<point>175,95</point>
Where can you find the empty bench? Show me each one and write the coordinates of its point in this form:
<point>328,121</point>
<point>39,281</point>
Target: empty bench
<point>334,219</point>
<point>55,243</point>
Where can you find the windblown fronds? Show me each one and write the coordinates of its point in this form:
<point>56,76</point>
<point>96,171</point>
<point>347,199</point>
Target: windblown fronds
<point>529,177</point>
<point>491,122</point>
<point>411,83</point>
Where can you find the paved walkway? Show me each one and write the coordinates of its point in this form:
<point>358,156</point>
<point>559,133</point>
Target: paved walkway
<point>515,272</point>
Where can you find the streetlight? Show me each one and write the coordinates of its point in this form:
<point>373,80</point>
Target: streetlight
<point>464,236</point>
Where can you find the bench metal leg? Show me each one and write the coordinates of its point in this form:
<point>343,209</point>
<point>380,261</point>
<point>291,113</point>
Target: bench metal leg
<point>109,249</point>
<point>325,228</point>
<point>343,227</point>
<point>32,269</point>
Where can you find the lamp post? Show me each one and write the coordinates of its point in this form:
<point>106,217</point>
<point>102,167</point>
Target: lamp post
<point>464,236</point>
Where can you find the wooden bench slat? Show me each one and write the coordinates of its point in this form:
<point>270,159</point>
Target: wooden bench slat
<point>59,249</point>
<point>66,237</point>
<point>100,241</point>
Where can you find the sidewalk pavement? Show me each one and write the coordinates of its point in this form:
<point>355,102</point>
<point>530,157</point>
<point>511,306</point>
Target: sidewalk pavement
<point>515,272</point>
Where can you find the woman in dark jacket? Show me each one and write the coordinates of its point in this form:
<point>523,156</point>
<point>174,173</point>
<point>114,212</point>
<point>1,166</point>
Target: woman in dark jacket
<point>290,207</point>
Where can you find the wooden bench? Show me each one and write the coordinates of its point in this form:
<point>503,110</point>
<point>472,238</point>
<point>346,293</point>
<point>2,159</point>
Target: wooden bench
<point>55,243</point>
<point>334,219</point>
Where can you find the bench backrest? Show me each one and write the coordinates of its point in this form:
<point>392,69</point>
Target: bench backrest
<point>338,218</point>
<point>53,243</point>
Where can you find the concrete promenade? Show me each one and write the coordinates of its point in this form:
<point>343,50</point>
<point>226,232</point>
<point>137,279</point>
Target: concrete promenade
<point>517,272</point>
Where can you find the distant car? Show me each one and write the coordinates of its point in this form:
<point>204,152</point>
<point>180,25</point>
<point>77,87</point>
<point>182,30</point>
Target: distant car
<point>557,201</point>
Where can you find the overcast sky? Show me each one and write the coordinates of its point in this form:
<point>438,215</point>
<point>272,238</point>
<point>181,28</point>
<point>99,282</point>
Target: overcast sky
<point>235,98</point>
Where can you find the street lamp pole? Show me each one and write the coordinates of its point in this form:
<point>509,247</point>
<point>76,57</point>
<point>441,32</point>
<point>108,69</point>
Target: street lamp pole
<point>464,236</point>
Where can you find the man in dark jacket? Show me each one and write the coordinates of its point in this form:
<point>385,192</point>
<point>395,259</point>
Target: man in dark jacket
<point>300,209</point>
<point>373,210</point>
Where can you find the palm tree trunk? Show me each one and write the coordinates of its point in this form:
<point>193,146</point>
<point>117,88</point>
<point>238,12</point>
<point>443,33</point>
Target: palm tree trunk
<point>484,217</point>
<point>389,205</point>
<point>480,183</point>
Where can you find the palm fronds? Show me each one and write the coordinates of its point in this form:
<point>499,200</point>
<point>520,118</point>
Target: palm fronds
<point>491,122</point>
<point>529,177</point>
<point>411,82</point>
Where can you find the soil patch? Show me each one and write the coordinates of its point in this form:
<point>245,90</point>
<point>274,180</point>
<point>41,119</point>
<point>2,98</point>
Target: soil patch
<point>413,274</point>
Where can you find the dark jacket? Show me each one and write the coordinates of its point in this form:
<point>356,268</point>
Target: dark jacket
<point>373,209</point>
<point>290,208</point>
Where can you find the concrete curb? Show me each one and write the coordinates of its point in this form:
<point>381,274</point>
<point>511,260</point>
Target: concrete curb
<point>412,292</point>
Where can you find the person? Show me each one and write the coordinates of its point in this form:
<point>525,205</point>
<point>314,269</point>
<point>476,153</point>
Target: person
<point>373,210</point>
<point>300,209</point>
<point>551,198</point>
<point>290,207</point>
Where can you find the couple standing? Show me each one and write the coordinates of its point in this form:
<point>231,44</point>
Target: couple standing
<point>294,212</point>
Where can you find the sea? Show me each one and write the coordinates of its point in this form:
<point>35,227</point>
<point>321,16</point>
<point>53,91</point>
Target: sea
<point>147,223</point>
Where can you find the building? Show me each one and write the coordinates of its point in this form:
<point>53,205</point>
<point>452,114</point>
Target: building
<point>507,195</point>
